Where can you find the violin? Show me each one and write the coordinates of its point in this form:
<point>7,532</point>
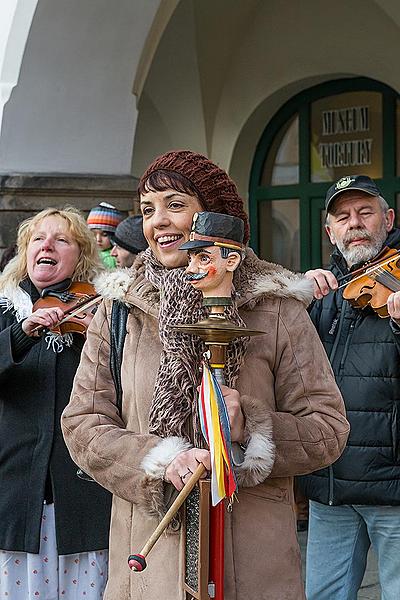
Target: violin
<point>78,301</point>
<point>374,282</point>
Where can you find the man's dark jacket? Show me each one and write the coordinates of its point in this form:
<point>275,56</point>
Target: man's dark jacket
<point>364,351</point>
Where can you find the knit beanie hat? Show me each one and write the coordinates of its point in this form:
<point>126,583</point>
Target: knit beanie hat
<point>129,235</point>
<point>105,217</point>
<point>215,189</point>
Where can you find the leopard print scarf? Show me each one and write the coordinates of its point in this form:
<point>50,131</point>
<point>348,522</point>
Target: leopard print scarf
<point>174,405</point>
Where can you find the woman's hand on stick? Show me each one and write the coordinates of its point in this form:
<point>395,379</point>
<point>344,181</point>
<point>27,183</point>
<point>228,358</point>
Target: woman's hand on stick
<point>184,464</point>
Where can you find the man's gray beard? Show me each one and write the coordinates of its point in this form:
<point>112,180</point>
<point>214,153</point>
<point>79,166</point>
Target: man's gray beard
<point>364,252</point>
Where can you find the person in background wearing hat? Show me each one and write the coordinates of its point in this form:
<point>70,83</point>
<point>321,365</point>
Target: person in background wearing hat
<point>128,241</point>
<point>283,404</point>
<point>356,501</point>
<point>103,221</point>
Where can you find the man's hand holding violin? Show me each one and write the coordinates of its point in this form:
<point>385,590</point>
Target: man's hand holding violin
<point>324,282</point>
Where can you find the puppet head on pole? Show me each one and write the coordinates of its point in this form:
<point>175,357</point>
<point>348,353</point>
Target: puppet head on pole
<point>215,250</point>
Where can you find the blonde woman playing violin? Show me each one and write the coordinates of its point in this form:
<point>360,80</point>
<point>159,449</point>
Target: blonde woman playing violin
<point>356,502</point>
<point>54,532</point>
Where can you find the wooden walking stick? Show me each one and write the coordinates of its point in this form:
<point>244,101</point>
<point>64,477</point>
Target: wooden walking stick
<point>137,562</point>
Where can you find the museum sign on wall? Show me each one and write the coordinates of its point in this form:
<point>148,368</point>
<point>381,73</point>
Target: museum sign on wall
<point>346,136</point>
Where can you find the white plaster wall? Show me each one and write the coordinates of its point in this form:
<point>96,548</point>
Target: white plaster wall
<point>181,94</point>
<point>73,110</point>
<point>171,107</point>
<point>15,21</point>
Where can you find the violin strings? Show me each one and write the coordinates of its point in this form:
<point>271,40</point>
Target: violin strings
<point>381,276</point>
<point>79,309</point>
<point>388,279</point>
<point>371,270</point>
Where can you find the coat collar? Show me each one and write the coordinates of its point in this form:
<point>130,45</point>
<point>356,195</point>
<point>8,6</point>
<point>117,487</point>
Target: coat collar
<point>255,280</point>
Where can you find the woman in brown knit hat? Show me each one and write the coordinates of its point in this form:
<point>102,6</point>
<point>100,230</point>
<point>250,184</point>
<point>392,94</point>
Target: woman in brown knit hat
<point>194,174</point>
<point>283,403</point>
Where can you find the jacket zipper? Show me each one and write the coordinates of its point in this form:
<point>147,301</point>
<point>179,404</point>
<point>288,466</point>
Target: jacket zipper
<point>331,359</point>
<point>346,347</point>
<point>330,497</point>
<point>338,332</point>
<point>342,361</point>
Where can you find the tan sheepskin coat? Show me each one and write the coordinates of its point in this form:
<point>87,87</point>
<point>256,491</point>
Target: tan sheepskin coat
<point>294,417</point>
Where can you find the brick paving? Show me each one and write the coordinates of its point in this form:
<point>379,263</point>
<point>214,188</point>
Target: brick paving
<point>370,589</point>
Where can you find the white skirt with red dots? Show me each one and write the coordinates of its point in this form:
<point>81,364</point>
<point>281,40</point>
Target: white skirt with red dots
<point>47,576</point>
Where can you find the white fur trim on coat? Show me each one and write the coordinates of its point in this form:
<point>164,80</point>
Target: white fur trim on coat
<point>259,456</point>
<point>258,280</point>
<point>258,461</point>
<point>295,286</point>
<point>113,285</point>
<point>17,300</point>
<point>159,457</point>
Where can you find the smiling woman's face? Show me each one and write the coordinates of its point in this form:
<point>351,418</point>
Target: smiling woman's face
<point>167,222</point>
<point>52,253</point>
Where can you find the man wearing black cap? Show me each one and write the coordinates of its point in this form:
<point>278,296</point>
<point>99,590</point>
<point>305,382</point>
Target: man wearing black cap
<point>356,501</point>
<point>128,240</point>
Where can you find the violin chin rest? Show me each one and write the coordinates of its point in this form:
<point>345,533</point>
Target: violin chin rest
<point>61,286</point>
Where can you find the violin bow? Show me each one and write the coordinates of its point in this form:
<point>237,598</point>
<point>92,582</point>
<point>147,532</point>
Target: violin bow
<point>369,269</point>
<point>79,307</point>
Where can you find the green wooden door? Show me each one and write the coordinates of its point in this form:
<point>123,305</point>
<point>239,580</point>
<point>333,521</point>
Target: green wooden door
<point>340,128</point>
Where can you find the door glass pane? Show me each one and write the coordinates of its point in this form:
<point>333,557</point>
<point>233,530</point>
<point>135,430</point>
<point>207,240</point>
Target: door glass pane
<point>397,210</point>
<point>282,164</point>
<point>346,136</point>
<point>279,232</point>
<point>326,246</point>
<point>398,136</point>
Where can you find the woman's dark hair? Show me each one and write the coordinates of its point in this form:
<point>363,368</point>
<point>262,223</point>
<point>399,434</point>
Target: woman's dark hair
<point>192,173</point>
<point>159,181</point>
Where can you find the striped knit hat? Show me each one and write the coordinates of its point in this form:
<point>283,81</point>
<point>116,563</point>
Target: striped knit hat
<point>215,189</point>
<point>105,217</point>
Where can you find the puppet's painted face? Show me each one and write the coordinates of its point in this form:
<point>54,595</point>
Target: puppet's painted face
<point>209,272</point>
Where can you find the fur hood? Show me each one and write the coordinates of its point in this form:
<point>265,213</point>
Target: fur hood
<point>255,280</point>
